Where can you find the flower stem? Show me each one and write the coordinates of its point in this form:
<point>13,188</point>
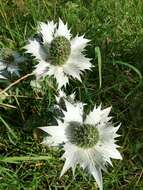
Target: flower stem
<point>16,82</point>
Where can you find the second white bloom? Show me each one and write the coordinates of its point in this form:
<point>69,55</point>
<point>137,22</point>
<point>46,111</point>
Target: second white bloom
<point>87,140</point>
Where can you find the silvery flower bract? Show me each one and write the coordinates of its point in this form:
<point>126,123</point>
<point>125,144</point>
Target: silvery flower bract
<point>62,95</point>
<point>1,76</point>
<point>88,140</point>
<point>58,54</point>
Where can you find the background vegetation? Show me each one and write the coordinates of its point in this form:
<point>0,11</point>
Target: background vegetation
<point>116,26</point>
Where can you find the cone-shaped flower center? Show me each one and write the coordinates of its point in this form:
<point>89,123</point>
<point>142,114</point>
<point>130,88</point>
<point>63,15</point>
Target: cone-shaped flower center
<point>59,50</point>
<point>84,136</point>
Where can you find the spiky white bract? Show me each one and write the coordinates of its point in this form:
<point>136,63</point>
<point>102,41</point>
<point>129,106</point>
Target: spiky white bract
<point>2,67</point>
<point>87,140</point>
<point>62,95</point>
<point>1,76</point>
<point>59,55</point>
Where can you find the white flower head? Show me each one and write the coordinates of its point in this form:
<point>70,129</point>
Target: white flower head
<point>87,140</point>
<point>58,54</point>
<point>9,61</point>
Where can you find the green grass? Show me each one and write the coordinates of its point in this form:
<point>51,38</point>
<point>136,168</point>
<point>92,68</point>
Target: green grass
<point>116,27</point>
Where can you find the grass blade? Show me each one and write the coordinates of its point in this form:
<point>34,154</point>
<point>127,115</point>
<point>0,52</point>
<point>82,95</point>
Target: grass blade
<point>16,159</point>
<point>98,53</point>
<point>135,70</point>
<point>8,128</point>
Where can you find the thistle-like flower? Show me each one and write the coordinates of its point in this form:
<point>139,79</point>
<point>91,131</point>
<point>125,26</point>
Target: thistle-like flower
<point>9,62</point>
<point>58,53</point>
<point>88,140</point>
